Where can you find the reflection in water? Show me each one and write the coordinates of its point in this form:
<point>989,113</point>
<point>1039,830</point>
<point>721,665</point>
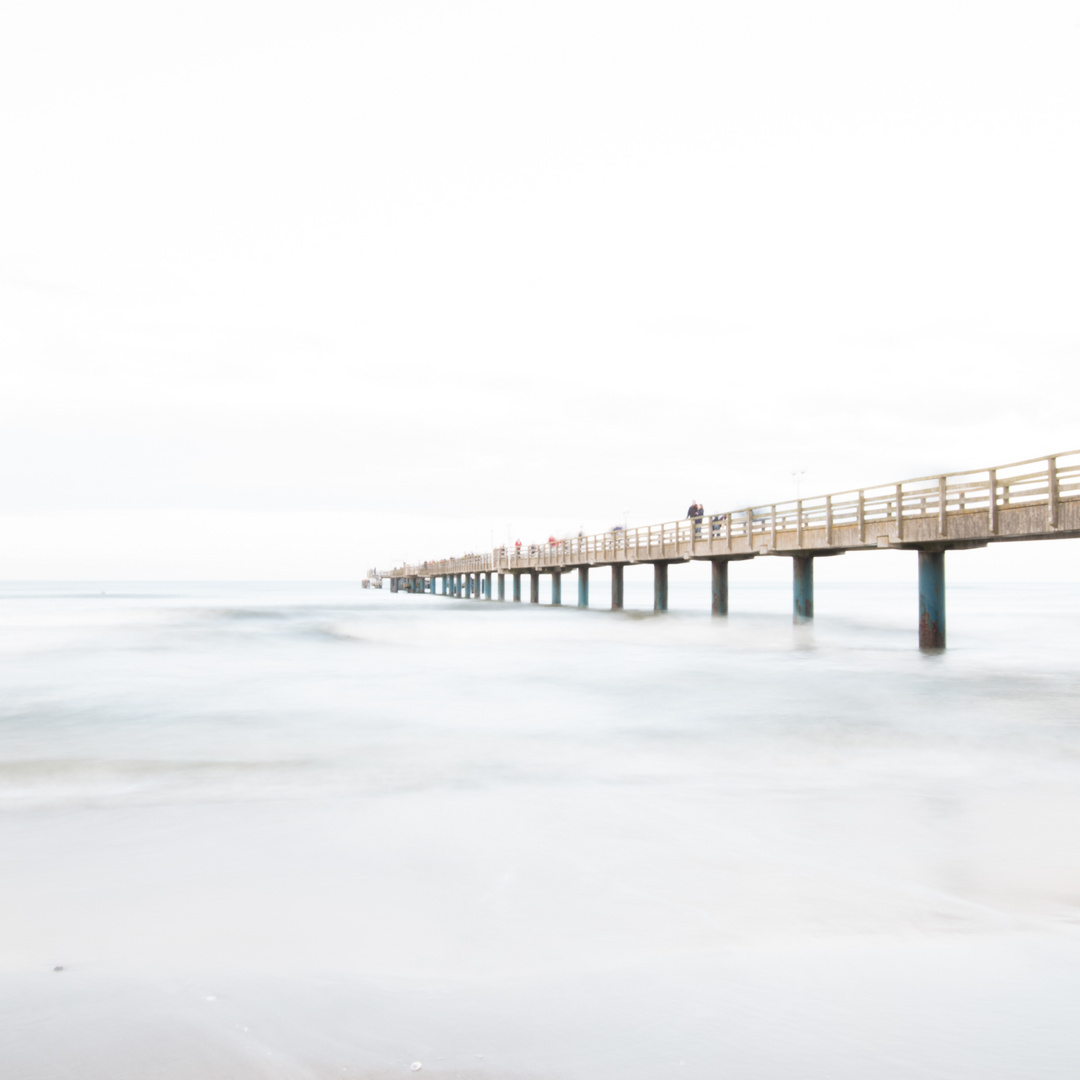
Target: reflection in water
<point>309,831</point>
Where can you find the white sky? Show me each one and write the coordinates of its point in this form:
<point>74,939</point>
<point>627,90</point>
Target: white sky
<point>292,290</point>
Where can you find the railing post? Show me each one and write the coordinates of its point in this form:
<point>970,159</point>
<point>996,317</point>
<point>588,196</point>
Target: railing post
<point>861,516</point>
<point>991,520</point>
<point>772,543</point>
<point>828,521</point>
<point>1052,492</point>
<point>943,502</point>
<point>798,524</point>
<point>899,511</point>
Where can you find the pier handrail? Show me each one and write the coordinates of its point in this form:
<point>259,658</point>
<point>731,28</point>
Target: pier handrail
<point>944,495</point>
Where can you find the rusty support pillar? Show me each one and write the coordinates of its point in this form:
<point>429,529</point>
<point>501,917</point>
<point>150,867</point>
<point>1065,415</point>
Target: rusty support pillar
<point>719,586</point>
<point>660,586</point>
<point>617,587</point>
<point>931,601</point>
<point>802,567</point>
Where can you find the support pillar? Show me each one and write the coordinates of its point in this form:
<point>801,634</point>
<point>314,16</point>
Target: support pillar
<point>393,584</point>
<point>617,587</point>
<point>534,586</point>
<point>517,586</point>
<point>487,585</point>
<point>477,587</point>
<point>931,601</point>
<point>460,585</point>
<point>556,586</point>
<point>802,570</point>
<point>502,586</point>
<point>660,586</point>
<point>583,586</point>
<point>719,586</point>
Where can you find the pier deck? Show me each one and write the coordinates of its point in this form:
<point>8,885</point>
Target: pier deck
<point>1037,499</point>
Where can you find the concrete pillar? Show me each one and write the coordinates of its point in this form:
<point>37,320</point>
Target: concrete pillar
<point>477,586</point>
<point>931,600</point>
<point>393,584</point>
<point>556,586</point>
<point>719,586</point>
<point>802,578</point>
<point>583,586</point>
<point>617,587</point>
<point>460,585</point>
<point>487,585</point>
<point>517,586</point>
<point>534,586</point>
<point>660,586</point>
<point>502,586</point>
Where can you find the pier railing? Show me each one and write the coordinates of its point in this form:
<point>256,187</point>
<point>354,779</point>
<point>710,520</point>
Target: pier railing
<point>1022,500</point>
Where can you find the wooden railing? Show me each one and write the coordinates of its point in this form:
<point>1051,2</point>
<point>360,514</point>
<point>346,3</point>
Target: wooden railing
<point>858,515</point>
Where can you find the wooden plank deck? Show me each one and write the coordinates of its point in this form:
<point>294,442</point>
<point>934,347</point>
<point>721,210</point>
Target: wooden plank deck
<point>1037,499</point>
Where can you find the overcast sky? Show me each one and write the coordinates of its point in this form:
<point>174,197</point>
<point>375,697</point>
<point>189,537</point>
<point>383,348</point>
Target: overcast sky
<point>292,290</point>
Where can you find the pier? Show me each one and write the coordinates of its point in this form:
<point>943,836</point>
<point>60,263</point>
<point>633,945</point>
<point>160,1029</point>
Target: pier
<point>1037,499</point>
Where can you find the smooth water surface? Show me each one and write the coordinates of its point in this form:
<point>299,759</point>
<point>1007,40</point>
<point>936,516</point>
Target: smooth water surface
<point>312,831</point>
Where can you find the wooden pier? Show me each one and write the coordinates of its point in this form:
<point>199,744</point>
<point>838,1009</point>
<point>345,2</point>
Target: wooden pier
<point>1038,499</point>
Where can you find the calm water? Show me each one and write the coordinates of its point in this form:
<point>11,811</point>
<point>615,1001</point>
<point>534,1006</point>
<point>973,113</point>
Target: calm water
<point>309,831</point>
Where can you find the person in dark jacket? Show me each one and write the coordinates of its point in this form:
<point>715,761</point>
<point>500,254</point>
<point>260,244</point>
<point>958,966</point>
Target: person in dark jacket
<point>696,512</point>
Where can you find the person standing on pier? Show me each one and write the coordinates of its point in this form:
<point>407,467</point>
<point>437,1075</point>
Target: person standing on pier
<point>696,512</point>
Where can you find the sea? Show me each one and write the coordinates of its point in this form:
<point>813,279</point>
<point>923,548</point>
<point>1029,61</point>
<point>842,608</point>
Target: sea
<point>312,831</point>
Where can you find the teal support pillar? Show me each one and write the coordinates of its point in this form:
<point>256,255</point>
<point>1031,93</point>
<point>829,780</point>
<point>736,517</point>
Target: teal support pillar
<point>719,586</point>
<point>556,586</point>
<point>534,586</point>
<point>931,601</point>
<point>802,580</point>
<point>476,579</point>
<point>583,586</point>
<point>487,585</point>
<point>617,587</point>
<point>502,586</point>
<point>517,586</point>
<point>660,586</point>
